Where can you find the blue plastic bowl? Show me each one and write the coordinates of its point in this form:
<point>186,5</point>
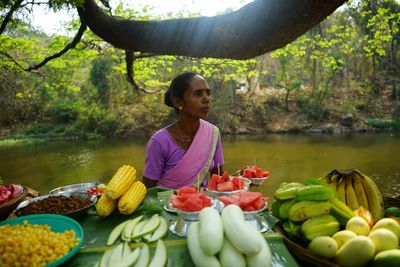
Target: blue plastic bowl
<point>58,223</point>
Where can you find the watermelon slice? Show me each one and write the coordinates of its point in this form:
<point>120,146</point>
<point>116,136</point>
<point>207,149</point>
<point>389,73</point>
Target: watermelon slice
<point>226,186</point>
<point>213,182</point>
<point>192,204</point>
<point>248,197</point>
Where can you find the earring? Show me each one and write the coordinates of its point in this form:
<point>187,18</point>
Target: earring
<point>180,107</point>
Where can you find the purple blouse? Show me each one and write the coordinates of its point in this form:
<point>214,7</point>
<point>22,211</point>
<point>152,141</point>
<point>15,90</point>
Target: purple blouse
<point>162,153</point>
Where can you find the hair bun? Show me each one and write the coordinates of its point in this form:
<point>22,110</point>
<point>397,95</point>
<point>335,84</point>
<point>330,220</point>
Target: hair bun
<point>167,98</point>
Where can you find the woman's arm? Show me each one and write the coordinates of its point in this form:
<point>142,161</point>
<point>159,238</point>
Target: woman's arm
<point>149,183</point>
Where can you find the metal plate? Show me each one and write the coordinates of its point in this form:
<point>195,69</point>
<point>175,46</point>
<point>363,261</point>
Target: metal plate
<point>74,214</point>
<point>83,187</point>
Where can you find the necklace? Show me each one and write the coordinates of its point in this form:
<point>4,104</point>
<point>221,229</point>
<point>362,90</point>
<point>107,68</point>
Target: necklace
<point>182,140</point>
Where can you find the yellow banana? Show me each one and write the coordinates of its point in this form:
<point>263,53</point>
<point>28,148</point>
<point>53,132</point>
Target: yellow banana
<point>351,198</point>
<point>340,189</point>
<point>360,192</point>
<point>375,200</point>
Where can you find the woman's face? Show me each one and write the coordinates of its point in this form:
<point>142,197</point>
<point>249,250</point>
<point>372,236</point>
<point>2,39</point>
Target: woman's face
<point>197,98</point>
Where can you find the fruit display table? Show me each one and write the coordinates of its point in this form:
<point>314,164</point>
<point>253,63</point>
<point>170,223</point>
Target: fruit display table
<point>97,229</point>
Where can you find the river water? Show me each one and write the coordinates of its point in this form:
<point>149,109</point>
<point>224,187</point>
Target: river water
<point>44,166</point>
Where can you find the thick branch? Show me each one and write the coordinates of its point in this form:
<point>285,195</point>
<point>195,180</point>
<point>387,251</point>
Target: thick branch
<point>253,30</point>
<point>9,15</point>
<point>69,46</point>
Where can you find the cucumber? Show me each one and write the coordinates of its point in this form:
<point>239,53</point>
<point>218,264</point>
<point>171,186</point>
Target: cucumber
<point>126,250</point>
<point>129,259</point>
<point>229,256</point>
<point>211,233</point>
<point>116,255</point>
<point>150,226</point>
<point>160,255</point>
<point>105,259</point>
<point>138,228</point>
<point>127,232</point>
<point>116,232</point>
<point>243,236</point>
<point>144,257</point>
<point>262,258</point>
<point>199,258</point>
<point>161,231</point>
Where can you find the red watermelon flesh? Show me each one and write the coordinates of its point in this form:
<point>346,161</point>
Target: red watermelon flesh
<point>225,187</point>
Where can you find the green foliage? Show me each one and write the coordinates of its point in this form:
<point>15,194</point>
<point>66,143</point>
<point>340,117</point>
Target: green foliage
<point>84,93</point>
<point>384,124</point>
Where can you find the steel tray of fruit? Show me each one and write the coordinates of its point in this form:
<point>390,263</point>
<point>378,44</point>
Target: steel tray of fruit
<point>67,209</point>
<point>255,174</point>
<point>90,188</point>
<point>11,199</point>
<point>226,186</point>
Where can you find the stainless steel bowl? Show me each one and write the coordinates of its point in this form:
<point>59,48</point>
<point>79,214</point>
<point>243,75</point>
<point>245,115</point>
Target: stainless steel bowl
<point>83,187</point>
<point>73,214</point>
<point>258,181</point>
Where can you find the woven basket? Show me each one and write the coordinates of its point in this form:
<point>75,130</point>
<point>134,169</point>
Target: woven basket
<point>306,258</point>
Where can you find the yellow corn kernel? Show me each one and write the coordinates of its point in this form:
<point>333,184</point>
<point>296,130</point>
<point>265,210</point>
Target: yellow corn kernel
<point>33,245</point>
<point>121,181</point>
<point>131,200</point>
<point>105,205</point>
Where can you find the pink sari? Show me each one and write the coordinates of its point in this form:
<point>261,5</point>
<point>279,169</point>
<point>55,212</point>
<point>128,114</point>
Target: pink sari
<point>195,164</point>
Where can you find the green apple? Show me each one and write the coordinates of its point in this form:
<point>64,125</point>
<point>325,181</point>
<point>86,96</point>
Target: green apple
<point>383,239</point>
<point>324,246</point>
<point>358,225</point>
<point>388,223</point>
<point>343,236</point>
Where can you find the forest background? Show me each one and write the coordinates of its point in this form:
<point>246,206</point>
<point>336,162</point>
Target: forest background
<point>341,76</point>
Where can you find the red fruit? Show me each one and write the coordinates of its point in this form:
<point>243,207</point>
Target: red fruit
<point>247,173</point>
<point>213,182</point>
<point>226,186</point>
<point>192,204</point>
<point>248,197</point>
<point>265,174</point>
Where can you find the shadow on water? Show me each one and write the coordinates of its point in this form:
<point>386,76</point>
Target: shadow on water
<point>288,157</point>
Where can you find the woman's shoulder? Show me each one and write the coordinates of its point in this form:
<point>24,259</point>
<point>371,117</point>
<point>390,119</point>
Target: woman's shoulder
<point>161,135</point>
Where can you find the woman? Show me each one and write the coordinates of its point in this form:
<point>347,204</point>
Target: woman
<point>183,153</point>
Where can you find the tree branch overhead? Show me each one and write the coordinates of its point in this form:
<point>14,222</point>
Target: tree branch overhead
<point>255,29</point>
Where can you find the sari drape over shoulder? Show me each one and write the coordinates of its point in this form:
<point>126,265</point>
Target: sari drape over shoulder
<point>195,164</point>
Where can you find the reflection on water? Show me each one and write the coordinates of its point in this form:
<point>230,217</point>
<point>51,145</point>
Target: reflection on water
<point>287,157</point>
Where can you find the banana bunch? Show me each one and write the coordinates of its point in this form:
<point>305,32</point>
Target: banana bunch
<point>309,210</point>
<point>356,189</point>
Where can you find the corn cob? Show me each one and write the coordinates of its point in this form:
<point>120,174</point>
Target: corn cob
<point>121,181</point>
<point>131,200</point>
<point>105,205</point>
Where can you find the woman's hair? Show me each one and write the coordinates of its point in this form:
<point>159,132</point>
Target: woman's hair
<point>177,87</point>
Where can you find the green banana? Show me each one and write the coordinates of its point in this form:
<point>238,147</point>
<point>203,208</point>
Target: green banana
<point>325,229</point>
<point>284,208</point>
<point>360,192</point>
<point>375,200</point>
<point>312,222</point>
<point>314,193</point>
<point>304,210</point>
<point>287,190</point>
<point>340,210</point>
